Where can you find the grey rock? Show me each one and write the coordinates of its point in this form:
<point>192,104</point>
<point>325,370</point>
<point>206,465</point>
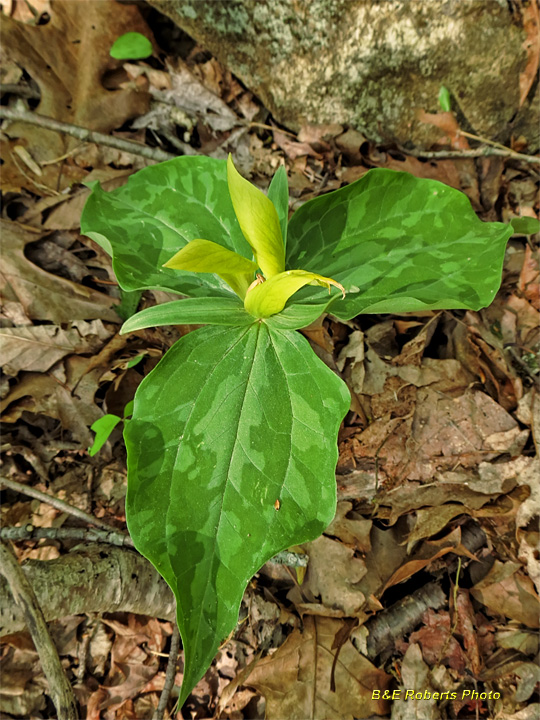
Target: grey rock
<point>371,64</point>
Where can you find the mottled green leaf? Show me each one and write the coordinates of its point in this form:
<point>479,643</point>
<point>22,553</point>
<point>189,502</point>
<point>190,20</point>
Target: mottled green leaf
<point>103,427</point>
<point>268,298</point>
<point>259,221</point>
<point>278,192</point>
<point>205,256</point>
<point>191,311</point>
<point>161,208</point>
<point>229,422</point>
<point>131,46</point>
<point>129,302</point>
<point>398,244</point>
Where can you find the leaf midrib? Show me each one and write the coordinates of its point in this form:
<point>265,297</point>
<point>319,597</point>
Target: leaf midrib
<point>220,512</point>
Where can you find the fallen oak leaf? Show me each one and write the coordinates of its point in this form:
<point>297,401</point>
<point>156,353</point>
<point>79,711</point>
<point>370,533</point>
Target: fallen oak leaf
<point>295,680</point>
<point>38,348</point>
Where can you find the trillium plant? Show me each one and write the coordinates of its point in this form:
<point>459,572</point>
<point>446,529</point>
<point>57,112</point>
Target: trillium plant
<point>232,445</point>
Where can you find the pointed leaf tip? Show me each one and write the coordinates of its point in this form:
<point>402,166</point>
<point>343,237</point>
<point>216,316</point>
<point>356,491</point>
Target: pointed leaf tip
<point>258,221</point>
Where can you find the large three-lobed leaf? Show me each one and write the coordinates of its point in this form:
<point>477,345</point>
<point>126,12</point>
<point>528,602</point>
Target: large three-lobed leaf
<point>232,445</point>
<point>232,456</point>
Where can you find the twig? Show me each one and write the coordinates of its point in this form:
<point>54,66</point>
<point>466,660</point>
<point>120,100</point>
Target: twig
<point>169,675</point>
<point>475,153</point>
<point>29,532</point>
<point>108,534</point>
<point>55,502</point>
<point>21,90</point>
<point>59,687</point>
<point>85,134</point>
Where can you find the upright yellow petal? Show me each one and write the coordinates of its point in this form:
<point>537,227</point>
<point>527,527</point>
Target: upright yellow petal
<point>205,256</point>
<point>258,220</point>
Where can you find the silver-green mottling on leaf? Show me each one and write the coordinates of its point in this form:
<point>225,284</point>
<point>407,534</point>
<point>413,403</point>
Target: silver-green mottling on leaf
<point>398,244</point>
<point>160,209</point>
<point>229,422</point>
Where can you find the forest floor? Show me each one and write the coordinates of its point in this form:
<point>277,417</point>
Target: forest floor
<point>428,577</point>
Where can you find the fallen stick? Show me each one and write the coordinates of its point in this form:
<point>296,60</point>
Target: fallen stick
<point>60,689</point>
<point>170,674</point>
<point>56,503</point>
<point>84,134</point>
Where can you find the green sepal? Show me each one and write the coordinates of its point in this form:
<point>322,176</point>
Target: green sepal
<point>206,256</point>
<point>259,221</point>
<point>191,311</point>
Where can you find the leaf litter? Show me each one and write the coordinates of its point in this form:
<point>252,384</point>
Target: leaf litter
<point>443,429</point>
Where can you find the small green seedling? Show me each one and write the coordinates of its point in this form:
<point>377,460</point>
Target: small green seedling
<point>232,446</point>
<point>444,99</point>
<point>104,426</point>
<point>131,46</point>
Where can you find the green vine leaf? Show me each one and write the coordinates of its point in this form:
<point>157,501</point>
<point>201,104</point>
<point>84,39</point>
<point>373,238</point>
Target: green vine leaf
<point>398,244</point>
<point>161,208</point>
<point>229,422</point>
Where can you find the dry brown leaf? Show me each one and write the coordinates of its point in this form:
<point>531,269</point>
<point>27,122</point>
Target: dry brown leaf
<point>527,321</point>
<point>38,348</point>
<point>22,693</point>
<point>188,94</point>
<point>386,556</point>
<point>507,591</point>
<point>352,531</point>
<point>292,148</point>
<point>445,121</point>
<point>466,628</point>
<point>415,676</point>
<point>333,575</point>
<point>295,680</point>
<point>529,277</point>
<point>42,295</point>
<point>431,520</point>
<point>68,58</point>
<point>427,553</point>
<point>39,393</point>
<point>437,642</point>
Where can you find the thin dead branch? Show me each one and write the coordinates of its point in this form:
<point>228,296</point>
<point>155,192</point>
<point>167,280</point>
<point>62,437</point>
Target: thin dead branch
<point>21,589</point>
<point>170,674</point>
<point>85,134</point>
<point>56,503</point>
<point>29,532</point>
